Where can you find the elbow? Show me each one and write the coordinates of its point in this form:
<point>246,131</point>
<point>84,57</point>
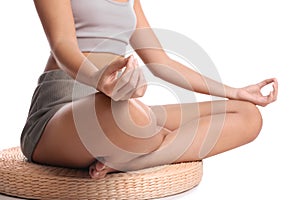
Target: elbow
<point>154,72</point>
<point>160,67</point>
<point>60,47</point>
<point>65,52</point>
<point>56,46</point>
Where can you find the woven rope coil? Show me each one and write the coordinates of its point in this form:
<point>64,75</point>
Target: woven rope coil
<point>27,180</point>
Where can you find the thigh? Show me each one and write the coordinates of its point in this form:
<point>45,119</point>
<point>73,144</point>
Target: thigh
<point>210,134</point>
<point>175,115</point>
<point>92,127</point>
<point>221,126</point>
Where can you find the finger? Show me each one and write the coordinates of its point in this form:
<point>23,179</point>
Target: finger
<point>273,94</point>
<point>270,98</point>
<point>275,89</point>
<point>108,76</point>
<point>136,62</point>
<point>126,91</point>
<point>265,82</point>
<point>141,86</point>
<point>117,93</point>
<point>129,65</point>
<point>117,64</point>
<point>126,75</point>
<point>127,83</point>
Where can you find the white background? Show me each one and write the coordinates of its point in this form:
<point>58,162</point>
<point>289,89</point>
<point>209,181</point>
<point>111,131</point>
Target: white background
<point>248,42</point>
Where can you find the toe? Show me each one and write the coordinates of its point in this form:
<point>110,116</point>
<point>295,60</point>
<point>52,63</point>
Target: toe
<point>97,170</point>
<point>99,166</point>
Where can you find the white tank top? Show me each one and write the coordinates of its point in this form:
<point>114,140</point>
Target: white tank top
<point>103,25</point>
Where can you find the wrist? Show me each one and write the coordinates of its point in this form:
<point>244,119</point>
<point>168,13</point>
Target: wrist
<point>96,78</point>
<point>232,93</point>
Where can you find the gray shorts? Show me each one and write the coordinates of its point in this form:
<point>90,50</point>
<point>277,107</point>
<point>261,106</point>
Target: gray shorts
<point>55,89</point>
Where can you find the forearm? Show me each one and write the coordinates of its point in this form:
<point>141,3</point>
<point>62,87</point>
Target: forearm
<point>72,60</point>
<point>182,76</point>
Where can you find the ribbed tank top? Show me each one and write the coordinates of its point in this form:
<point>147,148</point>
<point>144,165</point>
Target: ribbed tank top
<point>103,25</point>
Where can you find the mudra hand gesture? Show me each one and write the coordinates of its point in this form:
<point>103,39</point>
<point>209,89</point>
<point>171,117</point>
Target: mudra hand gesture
<point>130,84</point>
<point>252,93</point>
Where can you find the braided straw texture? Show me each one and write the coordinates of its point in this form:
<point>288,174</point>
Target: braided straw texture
<point>27,180</point>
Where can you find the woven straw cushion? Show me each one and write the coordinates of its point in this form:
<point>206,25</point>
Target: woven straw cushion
<point>27,180</point>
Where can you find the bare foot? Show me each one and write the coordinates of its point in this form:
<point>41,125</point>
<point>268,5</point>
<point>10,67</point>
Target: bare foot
<point>98,170</point>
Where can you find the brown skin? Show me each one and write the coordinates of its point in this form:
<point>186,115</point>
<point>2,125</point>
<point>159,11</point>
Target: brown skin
<point>60,144</point>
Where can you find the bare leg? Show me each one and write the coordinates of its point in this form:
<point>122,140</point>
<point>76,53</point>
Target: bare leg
<point>63,145</point>
<point>238,122</point>
<point>241,123</point>
<point>71,142</point>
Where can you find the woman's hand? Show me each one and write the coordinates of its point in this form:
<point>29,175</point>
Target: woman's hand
<point>252,93</point>
<point>130,84</point>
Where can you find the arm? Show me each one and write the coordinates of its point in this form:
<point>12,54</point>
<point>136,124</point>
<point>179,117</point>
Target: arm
<point>151,52</point>
<point>58,23</point>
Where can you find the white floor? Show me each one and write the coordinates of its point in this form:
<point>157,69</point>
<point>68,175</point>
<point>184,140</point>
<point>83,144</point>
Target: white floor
<point>2,197</point>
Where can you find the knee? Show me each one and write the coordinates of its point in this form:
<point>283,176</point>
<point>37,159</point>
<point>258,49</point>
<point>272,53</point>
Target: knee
<point>142,126</point>
<point>140,114</point>
<point>130,116</point>
<point>253,120</point>
<point>130,125</point>
<point>135,119</point>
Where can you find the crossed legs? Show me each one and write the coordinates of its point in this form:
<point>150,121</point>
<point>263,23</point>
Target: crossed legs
<point>93,128</point>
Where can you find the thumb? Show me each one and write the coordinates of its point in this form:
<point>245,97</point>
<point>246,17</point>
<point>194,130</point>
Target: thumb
<point>117,64</point>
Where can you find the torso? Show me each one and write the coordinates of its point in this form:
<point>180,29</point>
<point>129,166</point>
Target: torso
<point>99,59</point>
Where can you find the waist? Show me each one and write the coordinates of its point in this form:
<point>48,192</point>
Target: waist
<point>97,45</point>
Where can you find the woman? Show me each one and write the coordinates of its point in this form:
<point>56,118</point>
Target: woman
<point>88,41</point>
